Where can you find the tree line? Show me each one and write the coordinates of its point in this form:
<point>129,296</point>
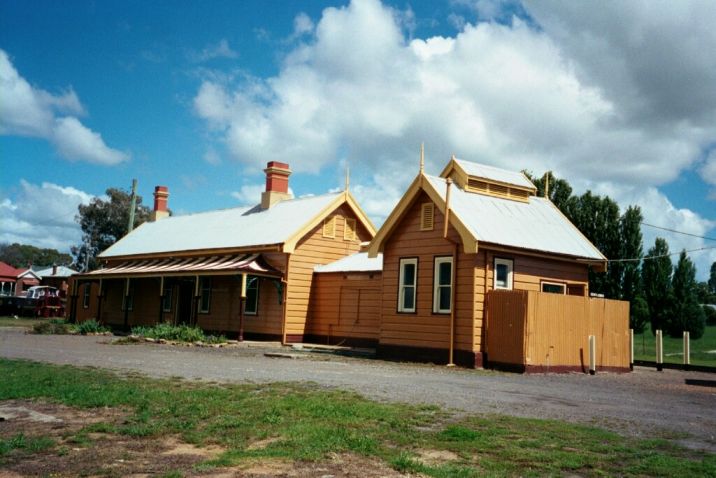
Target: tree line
<point>22,255</point>
<point>664,296</point>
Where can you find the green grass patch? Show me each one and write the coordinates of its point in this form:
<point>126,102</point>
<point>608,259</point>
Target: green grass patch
<point>27,444</point>
<point>6,321</point>
<point>178,333</point>
<point>645,348</point>
<point>307,422</point>
<point>62,327</point>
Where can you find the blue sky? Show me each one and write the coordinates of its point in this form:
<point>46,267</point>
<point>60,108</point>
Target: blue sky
<point>199,97</point>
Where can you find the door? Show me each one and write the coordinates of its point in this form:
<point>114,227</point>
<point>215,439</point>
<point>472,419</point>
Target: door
<point>185,289</point>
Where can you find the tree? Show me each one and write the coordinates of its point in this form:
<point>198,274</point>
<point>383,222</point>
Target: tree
<point>638,314</point>
<point>656,280</point>
<point>687,314</point>
<point>560,192</point>
<point>103,223</point>
<point>631,248</point>
<point>598,219</point>
<point>23,255</point>
<point>712,278</point>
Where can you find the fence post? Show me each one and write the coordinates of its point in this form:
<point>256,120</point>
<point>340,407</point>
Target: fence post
<point>631,349</point>
<point>659,351</point>
<point>687,351</point>
<point>592,355</point>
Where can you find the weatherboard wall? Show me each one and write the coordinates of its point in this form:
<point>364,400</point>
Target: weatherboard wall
<point>313,249</point>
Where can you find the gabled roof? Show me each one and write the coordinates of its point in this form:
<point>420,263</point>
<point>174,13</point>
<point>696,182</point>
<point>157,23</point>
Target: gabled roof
<point>358,262</point>
<point>27,273</point>
<point>536,225</point>
<point>281,225</point>
<point>62,271</point>
<point>490,173</point>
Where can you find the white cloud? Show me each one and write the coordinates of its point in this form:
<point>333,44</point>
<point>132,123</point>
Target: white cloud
<point>249,194</point>
<point>708,172</point>
<point>220,50</point>
<point>42,215</point>
<point>622,96</point>
<point>212,157</point>
<point>30,111</point>
<point>302,25</point>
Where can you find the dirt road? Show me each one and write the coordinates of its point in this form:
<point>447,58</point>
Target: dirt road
<point>673,404</point>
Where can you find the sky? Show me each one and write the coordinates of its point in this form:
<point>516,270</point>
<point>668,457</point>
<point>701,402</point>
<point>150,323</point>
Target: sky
<point>199,96</point>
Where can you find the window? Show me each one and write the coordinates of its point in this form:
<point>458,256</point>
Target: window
<point>251,305</point>
<point>503,273</point>
<point>407,284</point>
<point>329,227</point>
<point>442,285</point>
<point>205,295</point>
<point>86,296</point>
<point>349,233</point>
<point>427,216</point>
<point>167,299</point>
<point>554,287</point>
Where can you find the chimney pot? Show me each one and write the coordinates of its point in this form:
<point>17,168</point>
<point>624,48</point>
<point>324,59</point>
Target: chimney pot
<point>161,196</point>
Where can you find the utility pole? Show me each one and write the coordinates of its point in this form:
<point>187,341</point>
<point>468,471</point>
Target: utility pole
<point>132,206</point>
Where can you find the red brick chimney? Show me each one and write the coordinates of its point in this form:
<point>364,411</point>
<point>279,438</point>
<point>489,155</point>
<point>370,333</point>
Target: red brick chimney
<point>276,184</point>
<point>161,194</point>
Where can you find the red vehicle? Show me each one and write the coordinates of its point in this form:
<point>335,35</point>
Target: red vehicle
<point>42,301</point>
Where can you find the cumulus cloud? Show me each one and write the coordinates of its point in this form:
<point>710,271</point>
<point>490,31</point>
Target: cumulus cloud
<point>617,97</point>
<point>30,111</point>
<point>708,172</point>
<point>222,49</point>
<point>42,215</point>
<point>302,25</point>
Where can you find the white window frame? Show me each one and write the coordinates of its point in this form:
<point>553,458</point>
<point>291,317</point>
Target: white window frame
<point>167,296</point>
<point>559,284</point>
<point>205,286</point>
<point>86,296</point>
<point>510,263</point>
<point>256,280</point>
<point>402,286</point>
<point>437,286</point>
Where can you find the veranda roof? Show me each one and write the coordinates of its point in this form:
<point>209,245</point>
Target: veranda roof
<point>219,265</point>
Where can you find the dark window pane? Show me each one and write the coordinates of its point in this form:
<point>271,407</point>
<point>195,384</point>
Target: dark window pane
<point>553,288</point>
<point>444,298</point>
<point>501,273</point>
<point>408,297</point>
<point>408,274</point>
<point>445,273</point>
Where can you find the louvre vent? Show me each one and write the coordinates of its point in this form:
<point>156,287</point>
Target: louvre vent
<point>427,216</point>
<point>349,233</point>
<point>477,185</point>
<point>498,189</point>
<point>329,227</point>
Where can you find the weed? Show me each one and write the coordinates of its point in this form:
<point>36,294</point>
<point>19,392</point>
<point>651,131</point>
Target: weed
<point>179,333</point>
<point>91,327</point>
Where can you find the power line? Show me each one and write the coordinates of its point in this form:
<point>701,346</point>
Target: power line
<point>660,256</point>
<point>678,232</point>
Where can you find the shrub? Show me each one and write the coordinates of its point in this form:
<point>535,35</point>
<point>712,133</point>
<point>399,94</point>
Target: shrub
<point>179,333</point>
<point>710,314</point>
<point>91,327</point>
<point>52,327</point>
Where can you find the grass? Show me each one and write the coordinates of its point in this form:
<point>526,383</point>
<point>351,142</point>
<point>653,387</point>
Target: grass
<point>306,422</point>
<point>19,322</point>
<point>645,348</point>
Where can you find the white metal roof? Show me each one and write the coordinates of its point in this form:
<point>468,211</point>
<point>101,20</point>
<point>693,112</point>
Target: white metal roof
<point>536,225</point>
<point>62,271</point>
<point>358,262</point>
<point>496,174</point>
<point>224,228</point>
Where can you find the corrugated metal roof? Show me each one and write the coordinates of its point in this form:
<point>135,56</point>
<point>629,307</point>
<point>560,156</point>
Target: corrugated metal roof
<point>537,225</point>
<point>496,174</point>
<point>249,263</point>
<point>225,228</point>
<point>62,271</point>
<point>358,262</point>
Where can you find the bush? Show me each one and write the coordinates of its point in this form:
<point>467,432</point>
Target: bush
<point>52,327</point>
<point>91,327</point>
<point>710,313</point>
<point>178,333</point>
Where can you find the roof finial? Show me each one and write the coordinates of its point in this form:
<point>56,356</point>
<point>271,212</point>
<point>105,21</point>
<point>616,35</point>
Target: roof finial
<point>422,157</point>
<point>452,157</point>
<point>348,176</point>
<point>546,184</point>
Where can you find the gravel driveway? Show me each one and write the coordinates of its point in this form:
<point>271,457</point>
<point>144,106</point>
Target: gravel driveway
<point>674,404</point>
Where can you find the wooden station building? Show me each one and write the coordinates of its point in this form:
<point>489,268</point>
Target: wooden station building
<point>241,271</point>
